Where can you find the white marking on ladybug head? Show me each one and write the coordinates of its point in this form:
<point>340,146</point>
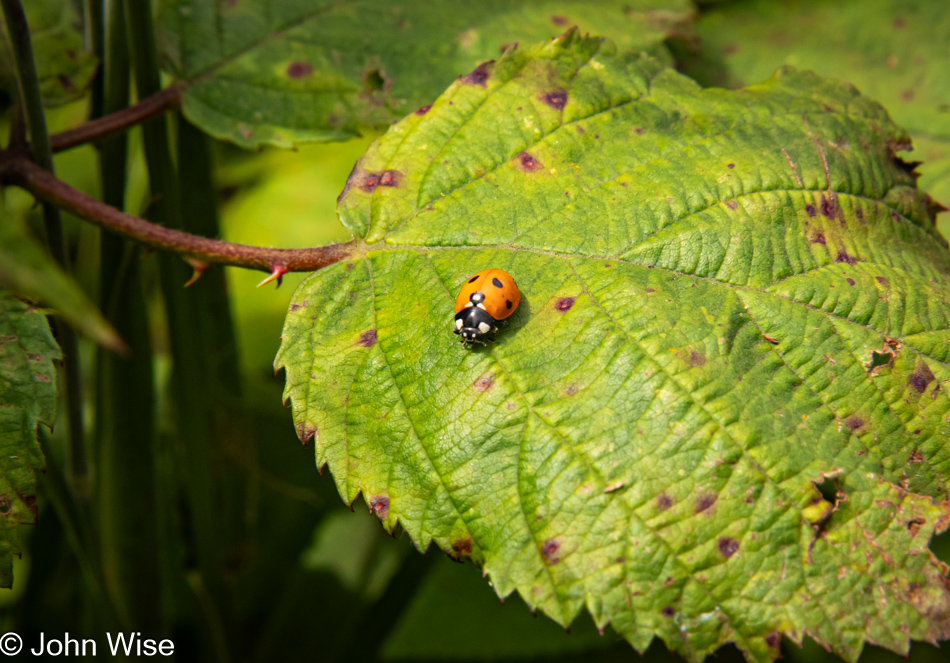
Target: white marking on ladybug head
<point>481,306</point>
<point>458,323</point>
<point>484,327</point>
<point>468,305</point>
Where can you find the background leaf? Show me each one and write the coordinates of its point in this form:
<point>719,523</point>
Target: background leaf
<point>887,48</point>
<point>293,71</point>
<point>27,398</point>
<point>731,298</point>
<point>63,67</point>
<point>28,271</point>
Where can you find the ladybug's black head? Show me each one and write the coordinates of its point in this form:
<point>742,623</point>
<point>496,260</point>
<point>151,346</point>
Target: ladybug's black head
<point>473,324</point>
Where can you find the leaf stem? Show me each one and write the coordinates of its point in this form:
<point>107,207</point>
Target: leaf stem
<point>45,186</point>
<point>19,32</point>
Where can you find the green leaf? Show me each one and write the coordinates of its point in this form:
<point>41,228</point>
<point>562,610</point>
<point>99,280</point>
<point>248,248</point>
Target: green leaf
<point>27,271</point>
<point>884,47</point>
<point>707,276</point>
<point>27,398</point>
<point>63,67</point>
<point>292,71</point>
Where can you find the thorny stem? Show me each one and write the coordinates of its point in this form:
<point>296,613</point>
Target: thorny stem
<point>29,85</point>
<point>46,187</point>
<point>114,123</point>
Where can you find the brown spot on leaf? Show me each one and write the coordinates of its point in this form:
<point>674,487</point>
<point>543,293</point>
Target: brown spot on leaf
<point>921,378</point>
<point>559,20</point>
<point>379,504</point>
<point>305,431</point>
<point>480,74</point>
<point>731,204</point>
<point>528,163</point>
<point>913,526</point>
<point>649,290</point>
<point>907,95</point>
<point>828,207</point>
<point>850,281</point>
<point>462,547</point>
<point>484,383</point>
<point>66,83</point>
<point>818,238</point>
<point>844,257</point>
<point>549,551</point>
<point>728,546</point>
<point>810,209</point>
<point>564,304</point>
<point>705,501</point>
<point>915,457</point>
<point>423,110</point>
<point>773,640</point>
<point>367,339</point>
<point>663,501</point>
<point>696,359</point>
<point>390,178</point>
<point>668,611</point>
<point>571,389</point>
<point>854,423</point>
<point>299,69</point>
<point>556,99</point>
<point>368,182</point>
<point>881,279</point>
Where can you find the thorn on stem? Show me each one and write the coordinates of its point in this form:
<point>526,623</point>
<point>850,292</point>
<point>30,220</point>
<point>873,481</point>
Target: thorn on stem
<point>277,272</point>
<point>199,266</point>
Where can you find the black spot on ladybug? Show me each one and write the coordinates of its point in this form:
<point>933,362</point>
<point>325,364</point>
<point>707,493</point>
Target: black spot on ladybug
<point>556,99</point>
<point>423,110</point>
<point>367,339</point>
<point>305,431</point>
<point>379,505</point>
<point>696,359</point>
<point>549,551</point>
<point>773,640</point>
<point>528,163</point>
<point>705,501</point>
<point>810,209</point>
<point>480,74</point>
<point>473,279</point>
<point>854,422</point>
<point>881,279</point>
<point>564,304</point>
<point>498,284</point>
<point>299,69</point>
<point>484,383</point>
<point>921,378</point>
<point>462,547</point>
<point>508,304</point>
<point>390,178</point>
<point>728,546</point>
<point>668,612</point>
<point>664,501</point>
<point>844,257</point>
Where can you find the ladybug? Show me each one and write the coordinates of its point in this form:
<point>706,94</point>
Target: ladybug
<point>485,300</point>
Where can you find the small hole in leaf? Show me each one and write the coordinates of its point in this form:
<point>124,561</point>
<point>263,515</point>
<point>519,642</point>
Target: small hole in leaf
<point>373,81</point>
<point>880,358</point>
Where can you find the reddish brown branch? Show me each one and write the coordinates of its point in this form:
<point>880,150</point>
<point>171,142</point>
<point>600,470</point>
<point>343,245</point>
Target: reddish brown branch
<point>119,121</point>
<point>24,173</point>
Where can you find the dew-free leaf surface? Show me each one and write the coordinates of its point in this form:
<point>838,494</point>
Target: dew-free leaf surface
<point>63,67</point>
<point>290,71</point>
<point>892,50</point>
<point>27,398</point>
<point>729,298</point>
<point>26,270</point>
